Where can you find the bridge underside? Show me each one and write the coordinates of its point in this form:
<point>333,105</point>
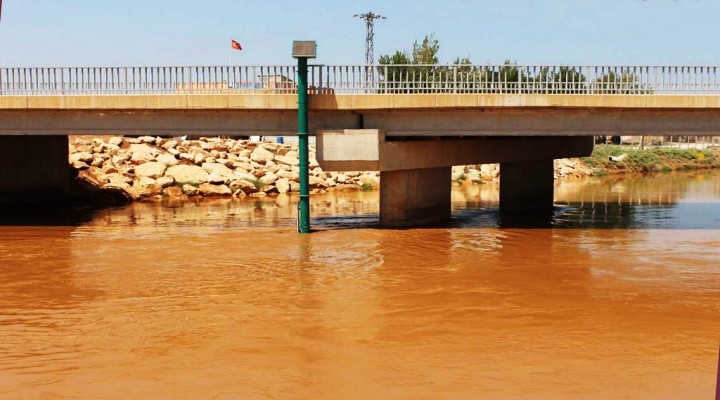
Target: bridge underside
<point>34,169</point>
<point>415,175</point>
<point>506,121</point>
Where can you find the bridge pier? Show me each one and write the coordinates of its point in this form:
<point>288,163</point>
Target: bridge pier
<point>415,175</point>
<point>33,169</point>
<point>526,186</point>
<point>414,196</point>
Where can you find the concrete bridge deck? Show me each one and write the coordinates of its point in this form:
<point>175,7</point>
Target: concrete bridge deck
<point>352,102</point>
<point>395,114</point>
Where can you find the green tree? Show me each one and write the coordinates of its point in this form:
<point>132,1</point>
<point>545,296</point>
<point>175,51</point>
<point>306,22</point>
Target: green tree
<point>394,69</point>
<point>410,73</point>
<point>426,52</point>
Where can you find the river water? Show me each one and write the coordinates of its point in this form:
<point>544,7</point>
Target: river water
<point>615,294</point>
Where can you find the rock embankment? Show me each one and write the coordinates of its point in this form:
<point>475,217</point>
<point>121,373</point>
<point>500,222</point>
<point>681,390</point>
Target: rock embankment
<point>155,168</point>
<point>477,174</point>
<point>150,168</point>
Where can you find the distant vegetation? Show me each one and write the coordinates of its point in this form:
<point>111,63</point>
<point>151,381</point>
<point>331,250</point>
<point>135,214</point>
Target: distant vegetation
<point>650,160</point>
<point>417,72</point>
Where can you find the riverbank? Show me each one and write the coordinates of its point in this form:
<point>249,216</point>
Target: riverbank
<point>149,168</point>
<point>659,159</point>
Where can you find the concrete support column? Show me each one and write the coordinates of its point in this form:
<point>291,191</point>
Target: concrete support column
<point>31,167</point>
<point>526,186</point>
<point>414,196</point>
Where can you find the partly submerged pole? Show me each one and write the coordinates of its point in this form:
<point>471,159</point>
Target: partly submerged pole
<point>304,163</point>
<point>302,50</point>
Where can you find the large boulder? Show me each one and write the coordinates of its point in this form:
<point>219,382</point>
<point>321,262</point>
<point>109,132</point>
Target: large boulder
<point>147,139</point>
<point>112,149</point>
<point>185,174</point>
<point>207,189</point>
<point>118,179</point>
<point>268,178</point>
<point>219,170</point>
<point>217,178</point>
<point>317,183</point>
<point>170,144</point>
<point>282,185</point>
<point>261,155</point>
<point>108,168</point>
<point>152,169</point>
<point>141,153</point>
<point>286,160</point>
<point>150,190</point>
<point>292,176</point>
<point>282,150</point>
<point>242,175</point>
<point>173,192</point>
<point>167,159</point>
<point>247,187</point>
<point>145,181</point>
<point>83,156</point>
<point>190,190</point>
<point>165,182</point>
<point>123,191</point>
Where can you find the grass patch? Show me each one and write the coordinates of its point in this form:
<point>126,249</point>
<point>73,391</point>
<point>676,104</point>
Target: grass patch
<point>181,184</point>
<point>650,160</point>
<point>258,183</point>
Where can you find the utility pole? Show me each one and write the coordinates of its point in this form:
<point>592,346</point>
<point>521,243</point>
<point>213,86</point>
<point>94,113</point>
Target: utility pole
<point>369,19</point>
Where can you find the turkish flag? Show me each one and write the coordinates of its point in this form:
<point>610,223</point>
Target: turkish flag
<point>233,44</point>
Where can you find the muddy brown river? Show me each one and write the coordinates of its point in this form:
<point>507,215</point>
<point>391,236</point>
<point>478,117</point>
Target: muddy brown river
<point>613,295</point>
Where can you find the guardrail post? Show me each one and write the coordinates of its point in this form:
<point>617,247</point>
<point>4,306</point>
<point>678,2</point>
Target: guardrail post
<point>454,79</point>
<point>320,79</point>
<point>190,72</point>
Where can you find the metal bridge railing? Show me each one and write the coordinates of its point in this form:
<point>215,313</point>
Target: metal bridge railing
<point>364,79</point>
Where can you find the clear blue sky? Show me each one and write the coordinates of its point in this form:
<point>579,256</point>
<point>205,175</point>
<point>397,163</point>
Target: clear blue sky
<point>198,32</point>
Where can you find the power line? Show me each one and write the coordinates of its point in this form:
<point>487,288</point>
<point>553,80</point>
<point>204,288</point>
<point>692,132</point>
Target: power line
<point>369,19</point>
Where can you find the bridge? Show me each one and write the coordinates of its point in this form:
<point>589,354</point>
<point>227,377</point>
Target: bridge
<point>410,122</point>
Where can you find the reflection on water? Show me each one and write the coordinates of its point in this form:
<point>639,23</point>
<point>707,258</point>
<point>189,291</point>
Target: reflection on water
<point>664,201</point>
<point>614,294</point>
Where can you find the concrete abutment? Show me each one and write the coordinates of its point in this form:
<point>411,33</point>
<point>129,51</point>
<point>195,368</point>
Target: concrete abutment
<point>34,169</point>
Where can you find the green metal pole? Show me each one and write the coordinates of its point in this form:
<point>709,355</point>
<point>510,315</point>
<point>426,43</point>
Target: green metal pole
<point>304,205</point>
